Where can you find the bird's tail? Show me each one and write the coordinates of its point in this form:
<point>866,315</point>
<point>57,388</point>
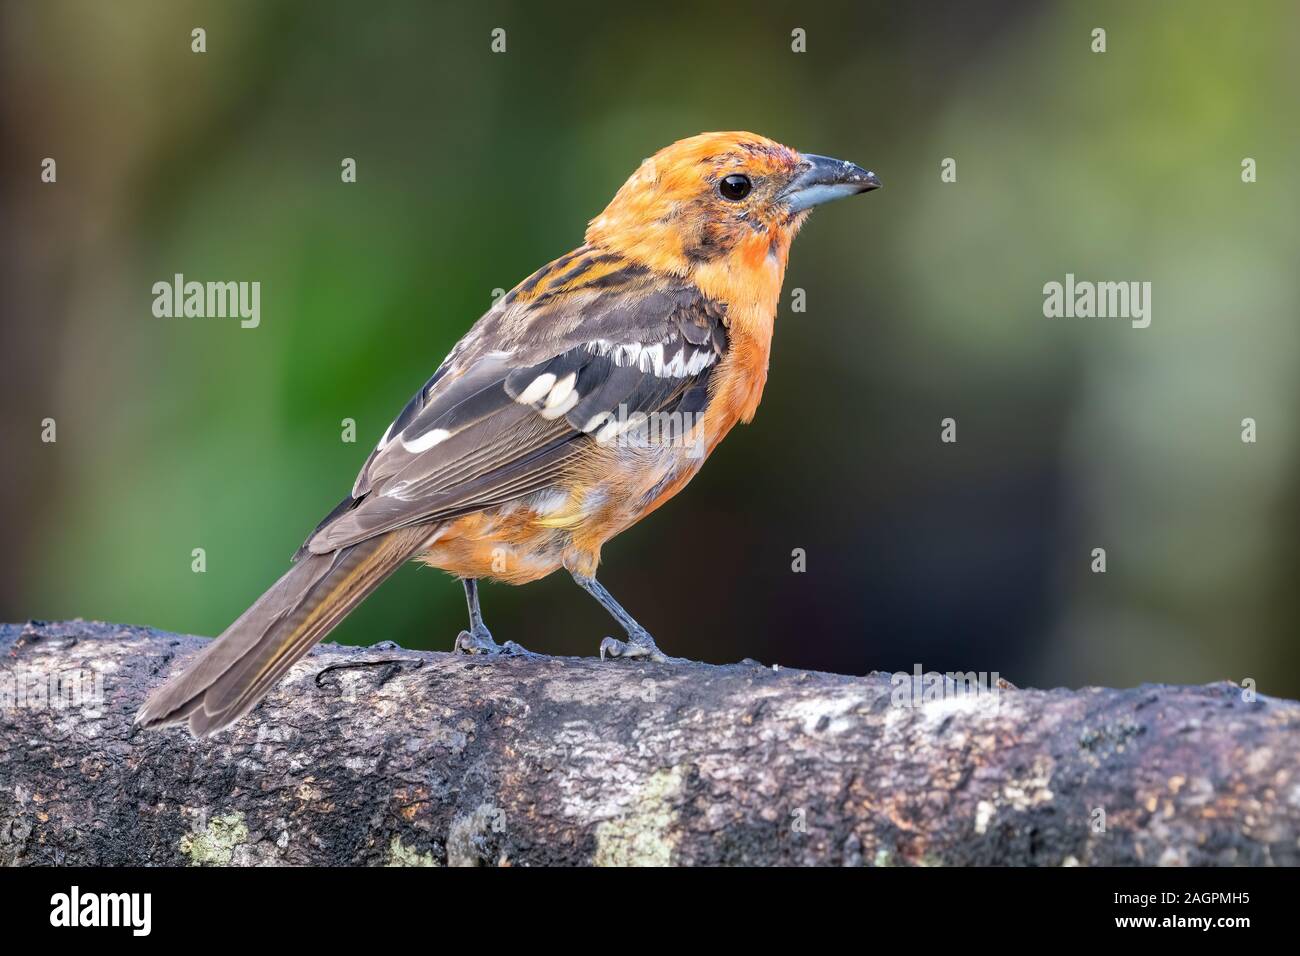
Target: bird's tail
<point>237,670</point>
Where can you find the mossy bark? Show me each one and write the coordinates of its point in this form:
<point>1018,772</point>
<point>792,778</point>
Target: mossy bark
<point>380,756</point>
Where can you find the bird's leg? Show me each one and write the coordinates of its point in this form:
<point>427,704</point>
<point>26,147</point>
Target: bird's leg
<point>478,639</point>
<point>639,643</point>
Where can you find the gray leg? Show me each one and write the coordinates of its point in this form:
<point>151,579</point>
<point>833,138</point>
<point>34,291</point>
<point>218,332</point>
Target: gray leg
<point>478,639</point>
<point>639,643</point>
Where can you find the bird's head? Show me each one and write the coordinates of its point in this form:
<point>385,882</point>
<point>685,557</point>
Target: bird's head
<point>721,201</point>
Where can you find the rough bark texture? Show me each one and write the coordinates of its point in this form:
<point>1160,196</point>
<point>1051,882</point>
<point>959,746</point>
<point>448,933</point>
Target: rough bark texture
<point>384,756</point>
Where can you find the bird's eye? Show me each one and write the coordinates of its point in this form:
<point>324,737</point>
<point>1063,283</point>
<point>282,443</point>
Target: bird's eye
<point>735,187</point>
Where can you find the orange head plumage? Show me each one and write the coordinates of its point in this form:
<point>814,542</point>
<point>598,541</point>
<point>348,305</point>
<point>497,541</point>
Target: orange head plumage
<point>730,201</point>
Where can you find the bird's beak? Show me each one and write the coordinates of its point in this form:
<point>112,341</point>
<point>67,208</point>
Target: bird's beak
<point>823,179</point>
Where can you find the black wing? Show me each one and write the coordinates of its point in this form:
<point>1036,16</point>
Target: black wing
<point>564,360</point>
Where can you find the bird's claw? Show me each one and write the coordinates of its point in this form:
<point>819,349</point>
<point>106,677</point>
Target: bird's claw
<point>634,647</point>
<point>480,641</point>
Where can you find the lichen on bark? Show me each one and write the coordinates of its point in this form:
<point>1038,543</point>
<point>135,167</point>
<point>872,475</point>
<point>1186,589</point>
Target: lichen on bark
<point>435,759</point>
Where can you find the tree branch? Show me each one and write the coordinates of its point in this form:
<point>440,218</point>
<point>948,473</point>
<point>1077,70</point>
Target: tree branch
<point>384,756</point>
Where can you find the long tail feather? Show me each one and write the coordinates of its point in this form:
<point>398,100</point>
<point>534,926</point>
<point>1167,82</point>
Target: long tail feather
<point>237,670</point>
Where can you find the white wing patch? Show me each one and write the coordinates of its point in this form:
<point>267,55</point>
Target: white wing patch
<point>426,441</point>
<point>685,361</point>
<point>554,398</point>
<point>537,389</point>
<point>551,398</point>
<point>561,390</point>
<point>570,399</point>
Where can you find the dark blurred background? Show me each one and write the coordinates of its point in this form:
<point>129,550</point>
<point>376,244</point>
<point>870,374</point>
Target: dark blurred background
<point>924,301</point>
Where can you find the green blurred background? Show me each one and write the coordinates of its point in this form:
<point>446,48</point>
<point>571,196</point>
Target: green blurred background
<point>924,301</point>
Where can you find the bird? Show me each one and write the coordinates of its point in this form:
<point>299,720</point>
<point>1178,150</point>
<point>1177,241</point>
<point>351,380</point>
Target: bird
<point>581,401</point>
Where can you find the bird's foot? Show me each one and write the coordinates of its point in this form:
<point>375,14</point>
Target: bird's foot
<point>479,640</point>
<point>638,644</point>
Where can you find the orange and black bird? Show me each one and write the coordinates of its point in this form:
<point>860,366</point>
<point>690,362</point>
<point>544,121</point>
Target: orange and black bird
<point>585,398</point>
